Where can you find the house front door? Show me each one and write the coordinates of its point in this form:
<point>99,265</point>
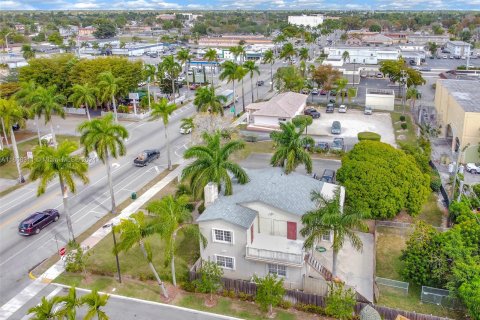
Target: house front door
<point>291,230</point>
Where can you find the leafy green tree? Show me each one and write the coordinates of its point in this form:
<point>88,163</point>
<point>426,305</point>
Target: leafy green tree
<point>432,47</point>
<point>207,101</point>
<point>270,292</point>
<point>135,232</point>
<point>210,278</point>
<point>10,114</point>
<point>375,28</point>
<point>269,58</point>
<point>396,70</point>
<point>28,52</point>
<point>332,217</point>
<point>184,56</point>
<point>251,69</point>
<point>413,95</point>
<point>325,76</point>
<point>302,121</point>
<point>84,95</point>
<point>172,69</point>
<point>393,183</point>
<point>211,56</point>
<point>95,302</point>
<point>289,79</point>
<point>25,97</point>
<point>105,29</point>
<point>304,54</point>
<point>44,310</point>
<point>55,38</point>
<point>340,302</point>
<point>288,52</point>
<point>469,292</point>
<point>163,110</point>
<point>212,164</point>
<point>345,56</point>
<point>107,139</point>
<point>290,151</point>
<point>109,88</point>
<point>69,304</point>
<point>49,163</point>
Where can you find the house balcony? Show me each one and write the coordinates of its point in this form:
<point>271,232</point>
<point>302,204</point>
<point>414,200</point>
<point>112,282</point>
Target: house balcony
<point>275,249</point>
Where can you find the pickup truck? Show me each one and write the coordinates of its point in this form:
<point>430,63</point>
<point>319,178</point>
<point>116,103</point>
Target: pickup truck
<point>473,167</point>
<point>146,157</point>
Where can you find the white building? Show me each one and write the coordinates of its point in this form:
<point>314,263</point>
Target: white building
<point>306,21</point>
<point>458,48</point>
<point>363,55</point>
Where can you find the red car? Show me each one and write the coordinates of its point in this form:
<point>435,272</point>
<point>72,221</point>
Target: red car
<point>194,86</point>
<point>323,92</point>
<point>37,221</point>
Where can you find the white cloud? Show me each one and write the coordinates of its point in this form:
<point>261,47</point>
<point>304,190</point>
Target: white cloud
<point>15,5</point>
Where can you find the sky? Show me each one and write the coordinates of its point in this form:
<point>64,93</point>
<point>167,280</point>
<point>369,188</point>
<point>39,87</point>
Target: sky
<point>245,4</point>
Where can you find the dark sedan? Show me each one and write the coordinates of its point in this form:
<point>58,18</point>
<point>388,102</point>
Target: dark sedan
<point>146,157</point>
<point>312,113</point>
<point>37,221</point>
<point>330,108</point>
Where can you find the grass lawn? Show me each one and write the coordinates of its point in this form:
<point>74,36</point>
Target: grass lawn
<point>253,147</point>
<point>9,170</point>
<point>431,213</point>
<point>408,135</point>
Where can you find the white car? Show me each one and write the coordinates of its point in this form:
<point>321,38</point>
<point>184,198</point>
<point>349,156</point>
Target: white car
<point>368,110</point>
<point>185,130</point>
<point>473,167</point>
<point>342,108</point>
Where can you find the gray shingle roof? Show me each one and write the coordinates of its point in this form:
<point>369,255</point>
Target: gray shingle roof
<point>465,92</point>
<point>285,104</point>
<point>290,193</point>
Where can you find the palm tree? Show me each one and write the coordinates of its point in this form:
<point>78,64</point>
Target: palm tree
<point>413,95</point>
<point>149,72</point>
<point>10,114</point>
<point>207,101</point>
<point>135,231</point>
<point>290,150</point>
<point>28,52</point>
<point>184,56</point>
<point>230,73</point>
<point>341,85</point>
<point>106,138</point>
<point>84,95</point>
<point>288,52</point>
<point>212,164</point>
<point>240,75</point>
<point>269,57</point>
<point>163,110</point>
<point>69,305</point>
<point>330,216</point>
<point>345,56</point>
<point>303,54</point>
<point>251,68</point>
<point>238,51</point>
<point>25,96</point>
<point>187,123</point>
<point>95,302</point>
<point>44,310</point>
<point>109,87</point>
<point>172,215</point>
<point>170,67</point>
<point>211,56</point>
<point>49,163</point>
<point>47,101</point>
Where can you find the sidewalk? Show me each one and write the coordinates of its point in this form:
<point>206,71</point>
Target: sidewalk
<point>9,308</point>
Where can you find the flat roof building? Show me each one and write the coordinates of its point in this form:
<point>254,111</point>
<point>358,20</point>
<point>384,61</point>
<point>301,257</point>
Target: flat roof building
<point>306,21</point>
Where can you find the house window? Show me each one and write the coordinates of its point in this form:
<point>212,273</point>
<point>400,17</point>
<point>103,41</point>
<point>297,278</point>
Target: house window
<point>225,262</point>
<point>222,236</point>
<point>326,236</point>
<point>277,269</point>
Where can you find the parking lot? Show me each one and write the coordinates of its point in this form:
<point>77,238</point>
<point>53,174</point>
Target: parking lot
<point>353,122</point>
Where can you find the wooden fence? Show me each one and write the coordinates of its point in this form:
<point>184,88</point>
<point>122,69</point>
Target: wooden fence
<point>296,296</point>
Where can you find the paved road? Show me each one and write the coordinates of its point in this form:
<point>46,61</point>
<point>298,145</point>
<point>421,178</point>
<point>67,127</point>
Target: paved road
<point>18,255</point>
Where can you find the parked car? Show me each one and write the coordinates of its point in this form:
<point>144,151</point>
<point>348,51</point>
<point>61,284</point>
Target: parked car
<point>445,56</point>
<point>323,92</point>
<point>330,108</point>
<point>37,221</point>
<point>336,127</point>
<point>314,91</point>
<point>305,91</point>
<point>260,83</point>
<point>368,110</point>
<point>312,113</point>
<point>185,130</point>
<point>379,75</point>
<point>323,145</point>
<point>473,168</point>
<point>338,144</point>
<point>333,92</point>
<point>146,157</point>
<point>327,176</point>
<point>342,108</point>
<point>194,86</point>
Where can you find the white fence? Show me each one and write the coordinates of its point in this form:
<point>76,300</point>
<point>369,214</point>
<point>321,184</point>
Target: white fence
<point>403,286</point>
<point>439,297</point>
<point>130,116</point>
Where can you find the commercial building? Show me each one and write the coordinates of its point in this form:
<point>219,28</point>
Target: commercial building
<point>306,21</point>
<point>458,48</point>
<point>458,112</point>
<point>230,41</point>
<point>87,31</point>
<point>424,39</point>
<point>363,55</point>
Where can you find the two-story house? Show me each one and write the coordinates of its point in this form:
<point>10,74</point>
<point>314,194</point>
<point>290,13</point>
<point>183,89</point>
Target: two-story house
<point>256,230</point>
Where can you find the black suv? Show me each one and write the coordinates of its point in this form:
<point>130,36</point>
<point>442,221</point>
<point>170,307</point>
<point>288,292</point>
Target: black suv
<point>37,221</point>
<point>312,113</point>
<point>146,157</point>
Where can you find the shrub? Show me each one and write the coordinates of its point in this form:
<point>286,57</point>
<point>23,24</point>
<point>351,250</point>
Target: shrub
<point>340,302</point>
<point>369,136</point>
<point>285,304</point>
<point>201,208</point>
<point>228,293</point>
<point>402,118</point>
<point>251,138</point>
<point>5,156</point>
<point>122,109</point>
<point>310,308</point>
<point>435,182</point>
<point>404,126</point>
<point>245,296</point>
<point>188,286</point>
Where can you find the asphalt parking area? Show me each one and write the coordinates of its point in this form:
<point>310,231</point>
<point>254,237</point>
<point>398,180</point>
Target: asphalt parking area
<point>353,122</point>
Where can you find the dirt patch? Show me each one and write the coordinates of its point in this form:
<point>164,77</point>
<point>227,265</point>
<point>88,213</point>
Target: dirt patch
<point>403,216</point>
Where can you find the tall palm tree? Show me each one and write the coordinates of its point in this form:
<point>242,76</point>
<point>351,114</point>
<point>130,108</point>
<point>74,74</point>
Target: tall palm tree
<point>211,56</point>
<point>149,73</point>
<point>135,231</point>
<point>413,95</point>
<point>303,54</point>
<point>163,110</point>
<point>25,96</point>
<point>44,310</point>
<point>171,68</point>
<point>288,52</point>
<point>241,72</point>
<point>184,56</point>
<point>69,305</point>
<point>28,52</point>
<point>341,85</point>
<point>10,114</point>
<point>331,216</point>
<point>106,138</point>
<point>230,73</point>
<point>171,215</point>
<point>47,101</point>
<point>207,101</point>
<point>49,163</point>
<point>212,164</point>
<point>109,87</point>
<point>290,150</point>
<point>269,57</point>
<point>238,52</point>
<point>95,302</point>
<point>84,95</point>
<point>251,68</point>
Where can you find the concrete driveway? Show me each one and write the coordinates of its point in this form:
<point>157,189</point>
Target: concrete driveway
<point>353,122</point>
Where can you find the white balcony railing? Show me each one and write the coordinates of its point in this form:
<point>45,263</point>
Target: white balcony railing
<point>274,256</point>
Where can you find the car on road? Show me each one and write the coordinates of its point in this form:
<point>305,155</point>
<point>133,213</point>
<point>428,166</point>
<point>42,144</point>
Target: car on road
<point>473,168</point>
<point>330,108</point>
<point>336,127</point>
<point>327,176</point>
<point>194,86</point>
<point>342,108</point>
<point>260,83</point>
<point>185,130</point>
<point>323,146</point>
<point>338,144</point>
<point>379,75</point>
<point>315,91</point>
<point>368,110</point>
<point>37,221</point>
<point>146,157</point>
<point>312,113</point>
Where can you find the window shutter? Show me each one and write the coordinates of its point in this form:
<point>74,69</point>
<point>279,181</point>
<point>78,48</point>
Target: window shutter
<point>291,230</point>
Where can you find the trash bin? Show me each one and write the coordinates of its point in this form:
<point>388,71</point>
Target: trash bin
<point>134,195</point>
